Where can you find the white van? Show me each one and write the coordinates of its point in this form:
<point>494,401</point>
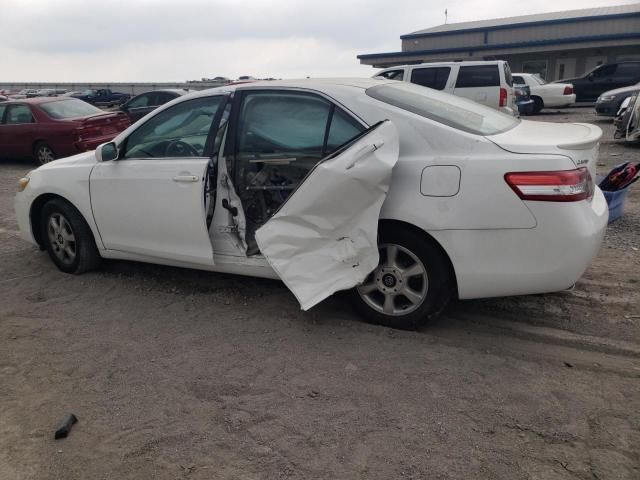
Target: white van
<point>486,82</point>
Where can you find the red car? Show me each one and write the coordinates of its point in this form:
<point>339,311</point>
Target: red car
<point>54,127</point>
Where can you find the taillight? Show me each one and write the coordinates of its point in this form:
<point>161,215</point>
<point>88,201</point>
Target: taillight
<point>503,97</point>
<point>556,186</point>
<point>568,90</point>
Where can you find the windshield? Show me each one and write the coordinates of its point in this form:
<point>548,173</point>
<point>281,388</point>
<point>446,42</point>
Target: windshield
<point>449,110</point>
<point>70,108</point>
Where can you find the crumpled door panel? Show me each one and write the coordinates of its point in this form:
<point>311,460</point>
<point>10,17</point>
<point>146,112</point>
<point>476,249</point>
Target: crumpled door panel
<point>324,237</point>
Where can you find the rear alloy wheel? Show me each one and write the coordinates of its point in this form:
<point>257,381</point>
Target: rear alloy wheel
<point>400,283</point>
<point>412,283</point>
<point>44,153</point>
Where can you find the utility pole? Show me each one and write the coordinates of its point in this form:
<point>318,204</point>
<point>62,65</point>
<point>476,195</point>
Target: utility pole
<point>445,16</point>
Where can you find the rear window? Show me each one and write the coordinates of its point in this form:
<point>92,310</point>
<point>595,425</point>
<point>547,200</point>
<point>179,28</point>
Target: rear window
<point>441,107</point>
<point>478,76</point>
<point>71,108</point>
<point>432,77</point>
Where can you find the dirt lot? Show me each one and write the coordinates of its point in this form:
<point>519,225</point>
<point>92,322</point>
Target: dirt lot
<point>184,374</point>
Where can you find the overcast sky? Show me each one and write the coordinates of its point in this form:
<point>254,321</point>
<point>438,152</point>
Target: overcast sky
<point>176,40</point>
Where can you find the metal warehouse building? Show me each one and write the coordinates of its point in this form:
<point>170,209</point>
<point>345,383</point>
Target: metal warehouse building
<point>555,45</point>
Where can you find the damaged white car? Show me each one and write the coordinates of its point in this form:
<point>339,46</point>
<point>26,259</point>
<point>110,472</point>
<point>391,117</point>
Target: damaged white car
<point>627,120</point>
<point>405,196</point>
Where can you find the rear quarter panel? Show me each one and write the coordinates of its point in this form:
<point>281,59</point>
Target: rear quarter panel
<point>484,200</point>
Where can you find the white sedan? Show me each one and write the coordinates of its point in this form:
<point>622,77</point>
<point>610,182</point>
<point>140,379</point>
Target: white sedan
<point>405,196</point>
<point>546,95</point>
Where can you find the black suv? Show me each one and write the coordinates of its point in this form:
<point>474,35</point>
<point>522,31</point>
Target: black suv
<point>602,78</point>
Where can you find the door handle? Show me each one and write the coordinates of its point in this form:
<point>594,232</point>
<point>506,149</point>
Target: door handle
<point>185,178</point>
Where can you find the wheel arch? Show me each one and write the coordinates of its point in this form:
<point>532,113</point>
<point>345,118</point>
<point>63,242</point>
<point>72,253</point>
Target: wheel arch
<point>401,224</point>
<point>35,213</point>
<point>35,143</point>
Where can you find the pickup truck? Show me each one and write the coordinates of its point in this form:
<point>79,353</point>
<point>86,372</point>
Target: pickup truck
<point>103,97</point>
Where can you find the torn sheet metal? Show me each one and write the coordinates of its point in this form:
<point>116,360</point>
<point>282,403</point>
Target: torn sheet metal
<point>633,123</point>
<point>324,237</point>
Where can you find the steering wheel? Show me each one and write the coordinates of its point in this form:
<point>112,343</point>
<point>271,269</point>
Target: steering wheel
<point>178,148</point>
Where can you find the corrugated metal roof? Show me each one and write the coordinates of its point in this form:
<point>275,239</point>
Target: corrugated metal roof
<point>540,17</point>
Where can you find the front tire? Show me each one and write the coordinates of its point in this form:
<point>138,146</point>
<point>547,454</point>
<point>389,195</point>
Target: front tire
<point>412,284</point>
<point>67,238</point>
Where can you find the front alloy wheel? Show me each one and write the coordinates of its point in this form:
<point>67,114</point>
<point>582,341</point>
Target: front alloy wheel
<point>67,237</point>
<point>61,238</point>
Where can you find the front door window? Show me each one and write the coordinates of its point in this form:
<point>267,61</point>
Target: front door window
<point>180,131</point>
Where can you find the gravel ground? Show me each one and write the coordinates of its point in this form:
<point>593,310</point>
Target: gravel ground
<point>185,374</point>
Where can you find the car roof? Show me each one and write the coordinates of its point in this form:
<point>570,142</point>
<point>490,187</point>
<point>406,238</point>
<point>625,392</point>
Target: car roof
<point>169,90</point>
<point>438,64</point>
<point>307,83</point>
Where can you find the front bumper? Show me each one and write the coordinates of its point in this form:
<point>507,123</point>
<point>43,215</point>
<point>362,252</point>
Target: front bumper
<point>22,205</point>
<point>607,109</point>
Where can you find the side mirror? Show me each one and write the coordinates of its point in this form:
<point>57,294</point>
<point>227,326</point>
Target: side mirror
<point>591,76</point>
<point>107,152</point>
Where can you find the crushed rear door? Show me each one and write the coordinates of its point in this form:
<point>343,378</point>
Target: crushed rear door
<point>324,237</point>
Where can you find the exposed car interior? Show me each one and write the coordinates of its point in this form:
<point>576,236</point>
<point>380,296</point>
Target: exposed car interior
<point>280,138</point>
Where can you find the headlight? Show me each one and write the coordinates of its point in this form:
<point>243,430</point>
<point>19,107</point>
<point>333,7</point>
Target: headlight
<point>22,183</point>
<point>606,98</point>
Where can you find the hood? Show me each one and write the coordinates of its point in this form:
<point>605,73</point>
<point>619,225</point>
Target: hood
<point>616,91</point>
<point>86,158</point>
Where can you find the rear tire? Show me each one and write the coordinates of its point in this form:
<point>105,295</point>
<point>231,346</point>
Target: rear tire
<point>43,153</point>
<point>412,284</point>
<point>538,104</point>
<point>67,238</point>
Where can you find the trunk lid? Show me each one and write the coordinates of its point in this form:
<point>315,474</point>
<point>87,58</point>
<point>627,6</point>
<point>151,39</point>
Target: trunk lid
<point>102,125</point>
<point>578,141</point>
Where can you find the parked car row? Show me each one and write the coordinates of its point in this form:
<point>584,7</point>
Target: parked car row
<point>46,128</point>
<point>487,82</point>
<point>610,102</point>
<point>140,105</point>
<point>102,97</point>
<point>603,78</point>
<point>543,94</point>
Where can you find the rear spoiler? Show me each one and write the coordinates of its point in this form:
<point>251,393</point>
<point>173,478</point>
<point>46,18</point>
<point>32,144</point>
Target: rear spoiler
<point>595,133</point>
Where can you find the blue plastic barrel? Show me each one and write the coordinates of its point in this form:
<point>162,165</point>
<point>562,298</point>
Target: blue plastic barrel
<point>616,200</point>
